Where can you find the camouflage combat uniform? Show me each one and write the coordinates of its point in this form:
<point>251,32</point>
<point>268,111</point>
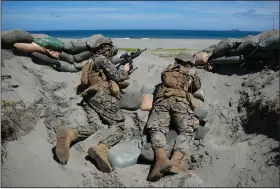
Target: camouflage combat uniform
<point>100,104</point>
<point>99,85</point>
<point>172,104</point>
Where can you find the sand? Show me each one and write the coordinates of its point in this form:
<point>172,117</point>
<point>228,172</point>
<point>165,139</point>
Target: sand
<point>227,157</point>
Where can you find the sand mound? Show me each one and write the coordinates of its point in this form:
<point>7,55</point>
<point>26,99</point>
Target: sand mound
<point>241,149</point>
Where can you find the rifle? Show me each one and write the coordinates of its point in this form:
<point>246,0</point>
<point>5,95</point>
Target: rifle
<point>126,58</point>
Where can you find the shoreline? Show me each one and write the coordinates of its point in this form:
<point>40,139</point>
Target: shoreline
<point>191,44</point>
<point>140,38</point>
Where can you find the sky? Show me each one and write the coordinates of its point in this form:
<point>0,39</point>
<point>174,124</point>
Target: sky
<point>98,15</point>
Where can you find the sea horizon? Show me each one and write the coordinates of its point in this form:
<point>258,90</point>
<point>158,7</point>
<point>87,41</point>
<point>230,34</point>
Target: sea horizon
<point>148,33</point>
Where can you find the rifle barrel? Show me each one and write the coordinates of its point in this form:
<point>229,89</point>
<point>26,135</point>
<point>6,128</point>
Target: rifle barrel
<point>128,58</point>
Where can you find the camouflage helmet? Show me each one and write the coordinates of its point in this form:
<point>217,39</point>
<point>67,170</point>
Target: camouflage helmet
<point>103,41</point>
<point>184,57</point>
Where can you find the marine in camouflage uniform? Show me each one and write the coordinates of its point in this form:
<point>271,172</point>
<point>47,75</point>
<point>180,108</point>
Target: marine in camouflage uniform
<point>100,104</point>
<point>172,103</point>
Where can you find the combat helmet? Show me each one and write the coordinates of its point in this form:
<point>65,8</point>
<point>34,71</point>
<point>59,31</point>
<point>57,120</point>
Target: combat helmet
<point>184,57</point>
<point>106,44</point>
<point>103,41</point>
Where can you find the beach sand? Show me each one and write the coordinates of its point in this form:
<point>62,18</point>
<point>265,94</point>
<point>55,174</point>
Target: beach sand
<point>195,44</point>
<point>226,157</point>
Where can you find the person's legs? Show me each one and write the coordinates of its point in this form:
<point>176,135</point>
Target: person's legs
<point>108,110</point>
<point>66,136</point>
<point>158,126</point>
<point>186,123</point>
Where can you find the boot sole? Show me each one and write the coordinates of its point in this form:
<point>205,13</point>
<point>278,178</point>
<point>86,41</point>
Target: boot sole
<point>62,148</point>
<point>162,171</point>
<point>155,178</point>
<point>165,169</point>
<point>102,165</point>
<point>179,171</point>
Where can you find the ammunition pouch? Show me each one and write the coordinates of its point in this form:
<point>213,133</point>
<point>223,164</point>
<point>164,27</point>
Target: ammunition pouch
<point>114,88</point>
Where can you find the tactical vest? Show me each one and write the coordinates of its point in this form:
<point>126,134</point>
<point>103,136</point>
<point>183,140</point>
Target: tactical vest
<point>176,81</point>
<point>92,79</point>
<point>95,79</point>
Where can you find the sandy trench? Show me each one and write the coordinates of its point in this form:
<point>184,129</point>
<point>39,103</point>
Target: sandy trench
<point>227,157</point>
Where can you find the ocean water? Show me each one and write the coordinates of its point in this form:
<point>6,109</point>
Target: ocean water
<point>138,34</point>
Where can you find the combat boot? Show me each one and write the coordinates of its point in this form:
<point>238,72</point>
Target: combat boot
<point>64,140</point>
<point>177,164</point>
<point>176,161</point>
<point>161,166</point>
<point>100,155</point>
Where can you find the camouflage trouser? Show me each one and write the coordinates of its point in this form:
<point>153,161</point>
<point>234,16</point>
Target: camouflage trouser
<point>103,106</point>
<point>177,110</point>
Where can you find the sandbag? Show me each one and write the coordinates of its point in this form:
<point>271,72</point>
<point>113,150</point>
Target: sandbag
<point>29,47</point>
<point>53,54</point>
<point>82,56</point>
<point>228,60</point>
<point>147,153</point>
<point>262,36</point>
<point>9,38</point>
<point>201,112</point>
<point>270,42</point>
<point>80,65</point>
<point>148,89</point>
<point>92,40</point>
<point>200,132</point>
<point>124,154</point>
<point>200,94</point>
<point>68,47</point>
<point>66,57</point>
<point>247,46</point>
<point>132,97</point>
<point>63,66</point>
<point>224,47</point>
<point>42,59</point>
<point>259,54</point>
<point>50,43</point>
<point>75,47</point>
<point>147,102</point>
<point>209,50</point>
<point>75,58</point>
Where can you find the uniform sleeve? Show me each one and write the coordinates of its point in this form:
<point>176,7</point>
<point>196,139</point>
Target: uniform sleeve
<point>109,69</point>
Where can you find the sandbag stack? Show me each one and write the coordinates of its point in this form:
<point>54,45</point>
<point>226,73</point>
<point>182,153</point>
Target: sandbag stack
<point>9,38</point>
<point>47,50</point>
<point>236,51</point>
